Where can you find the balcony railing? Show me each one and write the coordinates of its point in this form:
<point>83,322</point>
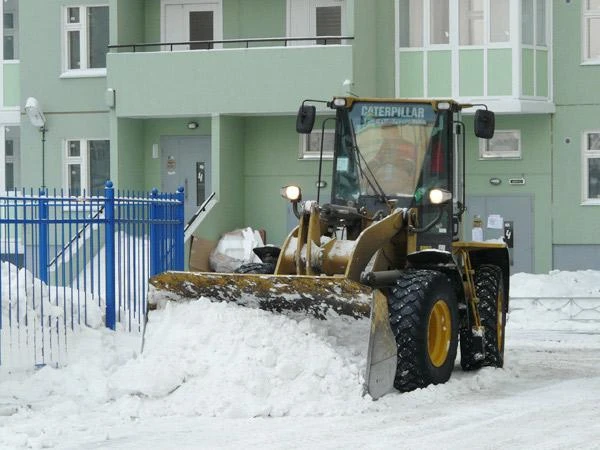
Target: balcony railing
<point>208,45</point>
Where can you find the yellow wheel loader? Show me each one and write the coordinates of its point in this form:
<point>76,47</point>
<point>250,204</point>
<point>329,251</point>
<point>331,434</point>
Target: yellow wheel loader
<point>386,246</point>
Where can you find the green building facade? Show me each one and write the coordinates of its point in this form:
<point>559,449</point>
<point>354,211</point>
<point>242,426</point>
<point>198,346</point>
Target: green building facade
<point>203,94</point>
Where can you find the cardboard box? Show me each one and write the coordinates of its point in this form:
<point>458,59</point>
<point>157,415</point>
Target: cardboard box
<point>199,252</point>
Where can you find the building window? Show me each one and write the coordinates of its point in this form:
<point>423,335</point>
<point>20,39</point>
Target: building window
<point>10,30</point>
<point>310,144</point>
<point>11,160</point>
<point>328,22</point>
<point>591,31</point>
<point>591,167</point>
<point>411,23</point>
<point>85,38</point>
<point>87,166</point>
<point>533,22</point>
<point>439,23</point>
<point>506,144</point>
<point>472,21</point>
<point>316,18</point>
<point>9,164</point>
<point>500,21</point>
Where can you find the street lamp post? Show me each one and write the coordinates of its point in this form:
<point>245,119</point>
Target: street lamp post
<point>37,119</point>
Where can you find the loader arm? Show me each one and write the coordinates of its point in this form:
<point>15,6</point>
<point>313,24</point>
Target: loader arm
<point>308,250</point>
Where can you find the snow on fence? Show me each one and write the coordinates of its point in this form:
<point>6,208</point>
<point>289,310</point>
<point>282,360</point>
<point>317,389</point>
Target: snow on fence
<point>69,261</point>
<point>566,307</point>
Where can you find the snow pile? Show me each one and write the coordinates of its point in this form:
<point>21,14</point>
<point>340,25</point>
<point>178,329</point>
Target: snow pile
<point>217,359</point>
<point>562,300</point>
<point>582,283</point>
<point>281,377</point>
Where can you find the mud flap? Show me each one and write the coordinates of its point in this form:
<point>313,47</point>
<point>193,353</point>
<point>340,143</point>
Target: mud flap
<point>382,358</point>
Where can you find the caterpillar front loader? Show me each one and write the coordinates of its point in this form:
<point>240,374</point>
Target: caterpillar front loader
<point>386,246</point>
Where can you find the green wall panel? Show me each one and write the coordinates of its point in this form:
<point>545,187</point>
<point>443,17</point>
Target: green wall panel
<point>255,19</point>
<point>232,81</point>
<point>129,153</point>
<point>439,79</point>
<point>364,59</point>
<point>271,157</point>
<point>386,61</point>
<point>471,72</point>
<point>527,72</point>
<point>499,72</point>
<point>129,18</point>
<point>152,21</point>
<point>11,84</point>
<point>574,223</point>
<point>535,167</point>
<point>411,74</point>
<point>573,81</point>
<point>227,145</point>
<point>541,73</point>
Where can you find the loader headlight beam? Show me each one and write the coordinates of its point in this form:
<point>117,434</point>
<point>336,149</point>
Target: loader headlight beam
<point>439,196</point>
<point>294,195</point>
<point>291,193</point>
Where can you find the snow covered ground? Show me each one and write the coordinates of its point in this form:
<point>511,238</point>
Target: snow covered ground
<point>221,376</point>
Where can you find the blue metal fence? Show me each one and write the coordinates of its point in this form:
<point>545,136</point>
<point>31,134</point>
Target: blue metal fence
<point>69,261</point>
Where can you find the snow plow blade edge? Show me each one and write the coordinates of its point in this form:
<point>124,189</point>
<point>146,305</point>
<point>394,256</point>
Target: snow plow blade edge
<point>277,293</point>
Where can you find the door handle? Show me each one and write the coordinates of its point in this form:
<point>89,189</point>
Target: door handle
<point>185,188</point>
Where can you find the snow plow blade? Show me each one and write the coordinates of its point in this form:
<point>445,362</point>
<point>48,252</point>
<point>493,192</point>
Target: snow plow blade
<point>311,295</point>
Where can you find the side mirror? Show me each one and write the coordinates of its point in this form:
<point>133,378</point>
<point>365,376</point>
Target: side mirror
<point>306,119</point>
<point>485,123</point>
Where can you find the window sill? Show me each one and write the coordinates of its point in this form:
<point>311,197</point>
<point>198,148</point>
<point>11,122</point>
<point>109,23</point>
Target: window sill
<point>85,73</point>
<point>591,202</point>
<point>590,62</point>
<point>499,157</point>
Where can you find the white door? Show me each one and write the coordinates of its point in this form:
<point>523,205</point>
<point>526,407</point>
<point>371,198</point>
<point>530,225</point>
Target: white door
<point>192,21</point>
<point>315,18</point>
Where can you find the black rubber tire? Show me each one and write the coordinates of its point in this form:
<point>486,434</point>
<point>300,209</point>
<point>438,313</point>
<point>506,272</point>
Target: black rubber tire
<point>411,303</point>
<point>489,286</point>
<point>263,268</point>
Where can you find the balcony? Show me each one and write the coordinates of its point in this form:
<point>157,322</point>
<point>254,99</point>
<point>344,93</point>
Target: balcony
<point>167,79</point>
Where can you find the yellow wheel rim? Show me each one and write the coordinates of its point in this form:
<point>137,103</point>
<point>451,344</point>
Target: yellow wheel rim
<point>500,320</point>
<point>439,332</point>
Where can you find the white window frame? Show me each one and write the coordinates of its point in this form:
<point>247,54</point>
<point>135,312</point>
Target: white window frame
<point>486,147</point>
<point>82,27</point>
<point>82,160</point>
<point>307,153</point>
<point>586,155</point>
<point>302,18</point>
<point>585,15</point>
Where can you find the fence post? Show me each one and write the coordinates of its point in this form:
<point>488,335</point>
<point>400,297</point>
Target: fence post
<point>155,266</point>
<point>43,235</point>
<point>109,230</point>
<point>179,226</point>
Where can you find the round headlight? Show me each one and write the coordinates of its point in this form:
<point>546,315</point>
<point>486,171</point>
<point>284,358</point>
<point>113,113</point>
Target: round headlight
<point>439,196</point>
<point>292,193</point>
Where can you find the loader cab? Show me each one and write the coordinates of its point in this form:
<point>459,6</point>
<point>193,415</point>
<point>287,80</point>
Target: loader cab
<point>390,154</point>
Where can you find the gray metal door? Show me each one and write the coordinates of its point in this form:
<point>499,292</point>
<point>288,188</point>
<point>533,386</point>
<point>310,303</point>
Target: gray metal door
<point>515,209</point>
<point>185,161</point>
